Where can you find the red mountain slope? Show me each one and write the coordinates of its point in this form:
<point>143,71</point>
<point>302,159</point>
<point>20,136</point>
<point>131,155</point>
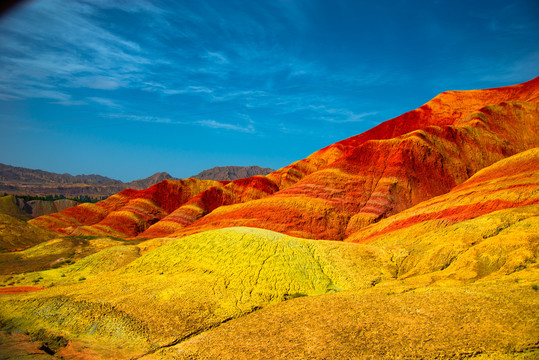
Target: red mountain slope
<point>238,191</point>
<point>344,187</point>
<point>127,213</point>
<point>374,179</point>
<point>509,183</point>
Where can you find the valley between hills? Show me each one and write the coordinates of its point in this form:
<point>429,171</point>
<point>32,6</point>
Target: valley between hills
<point>417,239</point>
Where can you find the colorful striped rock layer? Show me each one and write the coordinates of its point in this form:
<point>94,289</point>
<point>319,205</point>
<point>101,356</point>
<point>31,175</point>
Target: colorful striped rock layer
<point>340,189</point>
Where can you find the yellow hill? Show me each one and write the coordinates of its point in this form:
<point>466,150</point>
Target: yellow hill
<point>468,290</point>
<point>487,320</point>
<point>189,285</point>
<point>9,205</point>
<point>17,234</point>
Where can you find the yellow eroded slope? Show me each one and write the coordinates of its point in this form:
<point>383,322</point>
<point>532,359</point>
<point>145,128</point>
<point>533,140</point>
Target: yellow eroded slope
<point>467,290</point>
<point>190,285</point>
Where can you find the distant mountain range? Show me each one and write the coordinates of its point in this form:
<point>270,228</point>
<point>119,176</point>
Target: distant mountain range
<point>231,173</point>
<point>24,181</point>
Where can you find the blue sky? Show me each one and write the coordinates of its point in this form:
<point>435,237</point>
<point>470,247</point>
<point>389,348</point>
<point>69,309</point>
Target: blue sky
<point>128,88</point>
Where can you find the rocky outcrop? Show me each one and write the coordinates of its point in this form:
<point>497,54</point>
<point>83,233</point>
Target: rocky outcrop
<point>22,209</point>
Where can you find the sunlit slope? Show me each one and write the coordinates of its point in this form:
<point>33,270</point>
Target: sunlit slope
<point>444,109</point>
<point>17,234</point>
<point>380,178</point>
<point>466,290</point>
<point>488,320</point>
<point>189,285</point>
<point>511,182</point>
<point>127,213</point>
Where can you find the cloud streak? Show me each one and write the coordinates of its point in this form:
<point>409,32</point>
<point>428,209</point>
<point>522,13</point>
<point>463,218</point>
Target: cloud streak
<point>220,125</point>
<point>208,123</point>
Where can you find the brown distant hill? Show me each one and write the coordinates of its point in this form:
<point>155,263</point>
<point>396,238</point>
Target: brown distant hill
<point>149,181</point>
<point>23,176</point>
<point>231,173</point>
<point>22,181</point>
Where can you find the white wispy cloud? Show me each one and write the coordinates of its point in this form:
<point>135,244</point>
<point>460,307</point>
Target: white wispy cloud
<point>99,82</point>
<point>217,57</point>
<point>70,102</point>
<point>346,116</point>
<point>141,118</point>
<point>220,125</point>
<point>106,102</point>
<point>246,128</point>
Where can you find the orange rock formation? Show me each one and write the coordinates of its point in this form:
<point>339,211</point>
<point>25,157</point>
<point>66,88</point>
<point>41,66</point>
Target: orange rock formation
<point>341,189</point>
